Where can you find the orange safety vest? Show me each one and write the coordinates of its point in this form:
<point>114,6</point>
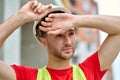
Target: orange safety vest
<point>78,74</point>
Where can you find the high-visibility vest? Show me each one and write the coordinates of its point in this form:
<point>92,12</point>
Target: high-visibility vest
<point>78,74</point>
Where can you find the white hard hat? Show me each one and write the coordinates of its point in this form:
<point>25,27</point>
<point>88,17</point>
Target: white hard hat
<point>54,8</point>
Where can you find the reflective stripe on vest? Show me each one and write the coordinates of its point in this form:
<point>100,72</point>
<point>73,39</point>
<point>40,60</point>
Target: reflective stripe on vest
<point>78,74</point>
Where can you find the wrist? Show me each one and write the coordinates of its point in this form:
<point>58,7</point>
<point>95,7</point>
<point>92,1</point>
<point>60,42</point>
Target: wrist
<point>21,18</point>
<point>75,21</point>
<point>81,21</point>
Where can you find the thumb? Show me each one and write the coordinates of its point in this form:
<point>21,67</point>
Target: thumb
<point>46,10</point>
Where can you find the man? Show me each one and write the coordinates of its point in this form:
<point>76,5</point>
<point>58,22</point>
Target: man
<point>59,41</point>
<point>57,34</point>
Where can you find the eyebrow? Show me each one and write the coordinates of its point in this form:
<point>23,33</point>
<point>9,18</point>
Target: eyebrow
<point>72,29</point>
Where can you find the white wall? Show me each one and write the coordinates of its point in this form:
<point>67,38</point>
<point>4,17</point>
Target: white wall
<point>12,45</point>
<point>1,20</point>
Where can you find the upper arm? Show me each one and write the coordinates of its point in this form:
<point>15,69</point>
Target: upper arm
<point>109,50</point>
<point>6,72</point>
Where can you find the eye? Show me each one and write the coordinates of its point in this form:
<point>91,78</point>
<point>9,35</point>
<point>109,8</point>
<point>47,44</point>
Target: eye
<point>71,33</point>
<point>59,36</point>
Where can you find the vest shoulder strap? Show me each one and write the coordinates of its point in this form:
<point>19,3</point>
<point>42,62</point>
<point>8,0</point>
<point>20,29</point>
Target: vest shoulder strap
<point>43,74</point>
<point>78,73</point>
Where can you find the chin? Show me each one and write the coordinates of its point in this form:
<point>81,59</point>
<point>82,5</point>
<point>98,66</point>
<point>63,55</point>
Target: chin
<point>67,56</point>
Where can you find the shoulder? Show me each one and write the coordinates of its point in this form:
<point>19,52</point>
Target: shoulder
<point>24,72</point>
<point>91,67</point>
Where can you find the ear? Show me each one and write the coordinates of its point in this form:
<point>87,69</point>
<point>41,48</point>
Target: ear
<point>43,42</point>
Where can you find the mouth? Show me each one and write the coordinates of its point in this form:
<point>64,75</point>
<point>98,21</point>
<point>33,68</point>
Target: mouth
<point>68,49</point>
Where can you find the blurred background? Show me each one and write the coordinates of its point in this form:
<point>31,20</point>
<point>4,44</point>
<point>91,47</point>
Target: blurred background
<point>21,47</point>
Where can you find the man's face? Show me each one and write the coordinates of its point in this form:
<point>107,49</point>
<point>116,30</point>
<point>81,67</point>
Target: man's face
<point>62,46</point>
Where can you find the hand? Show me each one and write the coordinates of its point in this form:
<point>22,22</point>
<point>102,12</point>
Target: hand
<point>57,23</point>
<point>34,11</point>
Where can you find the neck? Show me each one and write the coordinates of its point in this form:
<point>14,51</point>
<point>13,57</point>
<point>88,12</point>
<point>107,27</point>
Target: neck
<point>56,63</point>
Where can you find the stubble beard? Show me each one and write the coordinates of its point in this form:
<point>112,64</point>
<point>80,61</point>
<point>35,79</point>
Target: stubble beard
<point>61,54</point>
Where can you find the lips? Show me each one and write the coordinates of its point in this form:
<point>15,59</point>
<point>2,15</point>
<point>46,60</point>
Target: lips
<point>67,49</point>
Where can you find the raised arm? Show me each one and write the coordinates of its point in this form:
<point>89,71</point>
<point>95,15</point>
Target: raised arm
<point>111,46</point>
<point>109,24</point>
<point>29,12</point>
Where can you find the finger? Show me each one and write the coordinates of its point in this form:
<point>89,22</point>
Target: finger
<point>34,4</point>
<point>44,8</point>
<point>45,12</point>
<point>53,15</point>
<point>46,24</point>
<point>48,19</point>
<point>58,31</point>
<point>48,7</point>
<point>45,29</point>
<point>38,8</point>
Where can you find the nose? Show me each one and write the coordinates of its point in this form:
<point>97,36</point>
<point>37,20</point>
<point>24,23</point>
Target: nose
<point>68,40</point>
